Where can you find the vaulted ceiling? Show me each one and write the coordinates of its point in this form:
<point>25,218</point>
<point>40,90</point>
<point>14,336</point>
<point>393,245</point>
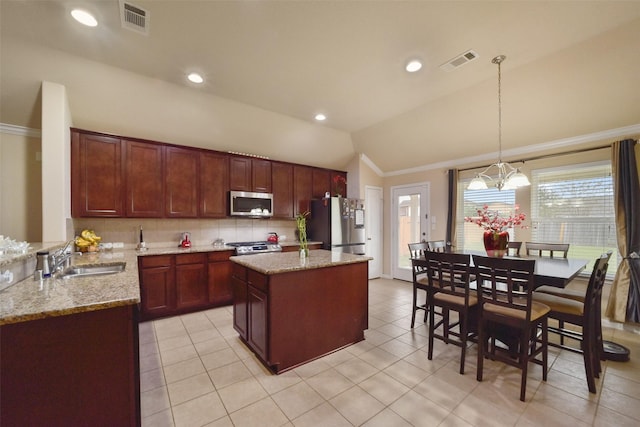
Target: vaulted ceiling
<point>572,67</point>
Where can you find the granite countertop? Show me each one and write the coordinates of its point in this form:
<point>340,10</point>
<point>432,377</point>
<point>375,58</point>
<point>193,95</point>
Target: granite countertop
<point>31,300</point>
<point>275,263</point>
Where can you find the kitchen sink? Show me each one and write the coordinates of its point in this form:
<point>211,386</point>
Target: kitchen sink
<point>92,270</point>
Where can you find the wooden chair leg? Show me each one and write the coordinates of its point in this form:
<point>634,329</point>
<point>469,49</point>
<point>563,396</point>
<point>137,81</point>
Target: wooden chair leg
<point>415,304</point>
<point>481,350</point>
<point>545,348</point>
<point>431,328</point>
<point>463,340</point>
<point>524,363</point>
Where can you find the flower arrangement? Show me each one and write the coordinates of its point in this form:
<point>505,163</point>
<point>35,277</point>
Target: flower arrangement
<point>301,223</point>
<point>491,220</point>
<point>339,183</point>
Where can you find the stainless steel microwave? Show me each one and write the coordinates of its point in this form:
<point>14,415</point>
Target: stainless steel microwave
<point>251,205</point>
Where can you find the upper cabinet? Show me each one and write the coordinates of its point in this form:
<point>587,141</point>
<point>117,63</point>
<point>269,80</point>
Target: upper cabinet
<point>182,177</point>
<point>282,180</point>
<point>114,176</point>
<point>96,176</point>
<point>214,184</point>
<point>247,174</point>
<point>144,178</point>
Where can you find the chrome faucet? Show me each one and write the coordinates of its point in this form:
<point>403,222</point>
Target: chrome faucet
<point>60,259</point>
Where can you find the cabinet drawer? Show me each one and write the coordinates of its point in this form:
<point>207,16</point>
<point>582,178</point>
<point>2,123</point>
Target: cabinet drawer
<point>155,261</point>
<point>220,255</point>
<point>257,280</point>
<point>239,272</point>
<point>191,258</point>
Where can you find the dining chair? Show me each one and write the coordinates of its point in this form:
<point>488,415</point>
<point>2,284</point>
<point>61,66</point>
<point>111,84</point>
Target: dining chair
<point>513,248</point>
<point>539,249</point>
<point>437,246</point>
<point>417,252</point>
<point>449,289</point>
<point>584,311</point>
<point>501,303</point>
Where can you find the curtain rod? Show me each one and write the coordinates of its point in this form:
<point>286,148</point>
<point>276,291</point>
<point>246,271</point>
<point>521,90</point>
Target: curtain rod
<point>544,156</point>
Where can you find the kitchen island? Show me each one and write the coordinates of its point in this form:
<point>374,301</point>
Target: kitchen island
<point>290,311</point>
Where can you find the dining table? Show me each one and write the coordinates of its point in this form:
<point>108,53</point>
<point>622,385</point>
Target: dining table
<point>556,272</point>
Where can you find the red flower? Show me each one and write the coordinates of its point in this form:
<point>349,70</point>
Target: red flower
<point>492,221</point>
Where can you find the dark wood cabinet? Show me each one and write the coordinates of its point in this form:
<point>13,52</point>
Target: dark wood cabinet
<point>282,181</point>
<point>182,283</point>
<point>220,288</point>
<point>114,176</point>
<point>157,286</point>
<point>214,184</point>
<point>302,188</point>
<point>261,175</point>
<point>80,369</point>
<point>240,299</point>
<point>182,177</point>
<point>240,173</point>
<point>191,281</point>
<point>321,183</point>
<point>257,320</point>
<point>96,176</point>
<point>144,177</point>
<point>247,174</point>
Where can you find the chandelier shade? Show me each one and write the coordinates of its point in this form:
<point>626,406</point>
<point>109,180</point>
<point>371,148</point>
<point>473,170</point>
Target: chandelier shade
<point>508,177</point>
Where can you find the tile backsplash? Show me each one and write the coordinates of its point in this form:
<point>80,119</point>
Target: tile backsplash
<point>163,232</point>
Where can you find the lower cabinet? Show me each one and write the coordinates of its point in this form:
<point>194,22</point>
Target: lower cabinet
<point>258,307</point>
<point>80,369</point>
<point>240,299</point>
<point>177,284</point>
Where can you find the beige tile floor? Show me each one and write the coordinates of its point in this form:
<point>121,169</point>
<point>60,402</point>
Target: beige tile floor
<point>196,372</point>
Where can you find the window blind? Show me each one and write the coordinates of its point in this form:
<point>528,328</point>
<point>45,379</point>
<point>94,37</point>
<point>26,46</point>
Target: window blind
<point>575,205</point>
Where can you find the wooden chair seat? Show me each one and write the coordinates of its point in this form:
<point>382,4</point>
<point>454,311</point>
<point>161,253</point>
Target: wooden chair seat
<point>573,294</point>
<point>538,309</point>
<point>560,304</point>
<point>454,299</point>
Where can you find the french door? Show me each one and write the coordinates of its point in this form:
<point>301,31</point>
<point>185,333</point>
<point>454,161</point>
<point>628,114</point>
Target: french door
<point>410,212</point>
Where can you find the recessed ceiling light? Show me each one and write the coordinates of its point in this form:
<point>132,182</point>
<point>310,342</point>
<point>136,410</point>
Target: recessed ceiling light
<point>195,78</point>
<point>413,66</point>
<point>320,117</point>
<point>84,17</point>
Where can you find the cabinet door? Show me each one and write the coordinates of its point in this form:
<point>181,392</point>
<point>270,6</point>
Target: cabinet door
<point>157,289</point>
<point>144,188</point>
<point>302,188</point>
<point>220,288</point>
<point>282,180</point>
<point>191,281</point>
<point>240,173</point>
<point>261,175</point>
<point>239,284</point>
<point>257,330</point>
<point>214,184</point>
<point>321,183</point>
<point>181,182</point>
<point>96,176</point>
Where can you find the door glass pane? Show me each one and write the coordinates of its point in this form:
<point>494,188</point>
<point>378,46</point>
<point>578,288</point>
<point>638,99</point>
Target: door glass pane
<point>408,226</point>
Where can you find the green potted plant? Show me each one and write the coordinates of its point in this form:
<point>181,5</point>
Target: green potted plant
<point>301,223</point>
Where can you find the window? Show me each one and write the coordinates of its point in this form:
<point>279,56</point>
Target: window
<point>575,205</point>
<point>469,235</point>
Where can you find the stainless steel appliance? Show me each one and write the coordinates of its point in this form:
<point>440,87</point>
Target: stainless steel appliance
<point>248,248</point>
<point>338,223</point>
<point>250,205</point>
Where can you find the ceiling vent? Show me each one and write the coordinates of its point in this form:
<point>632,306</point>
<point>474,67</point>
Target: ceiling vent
<point>459,60</point>
<point>134,18</point>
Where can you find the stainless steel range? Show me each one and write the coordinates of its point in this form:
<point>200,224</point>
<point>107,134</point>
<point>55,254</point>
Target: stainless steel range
<point>249,248</point>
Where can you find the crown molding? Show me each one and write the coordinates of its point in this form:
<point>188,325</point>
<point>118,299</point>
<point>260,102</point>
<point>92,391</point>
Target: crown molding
<point>372,165</point>
<point>529,149</point>
<point>20,130</point>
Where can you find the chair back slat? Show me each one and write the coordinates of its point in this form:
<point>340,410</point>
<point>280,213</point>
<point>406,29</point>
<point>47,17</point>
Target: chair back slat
<point>449,273</point>
<point>513,248</point>
<point>505,282</point>
<point>417,250</point>
<point>437,246</point>
<point>540,249</point>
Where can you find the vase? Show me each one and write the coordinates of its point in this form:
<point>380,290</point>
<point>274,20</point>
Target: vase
<point>495,243</point>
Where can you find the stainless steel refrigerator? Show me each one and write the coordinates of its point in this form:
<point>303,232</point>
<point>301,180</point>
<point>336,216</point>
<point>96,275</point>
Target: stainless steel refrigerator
<point>338,223</point>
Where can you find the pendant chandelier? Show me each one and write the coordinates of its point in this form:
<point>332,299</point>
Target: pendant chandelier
<point>509,178</point>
